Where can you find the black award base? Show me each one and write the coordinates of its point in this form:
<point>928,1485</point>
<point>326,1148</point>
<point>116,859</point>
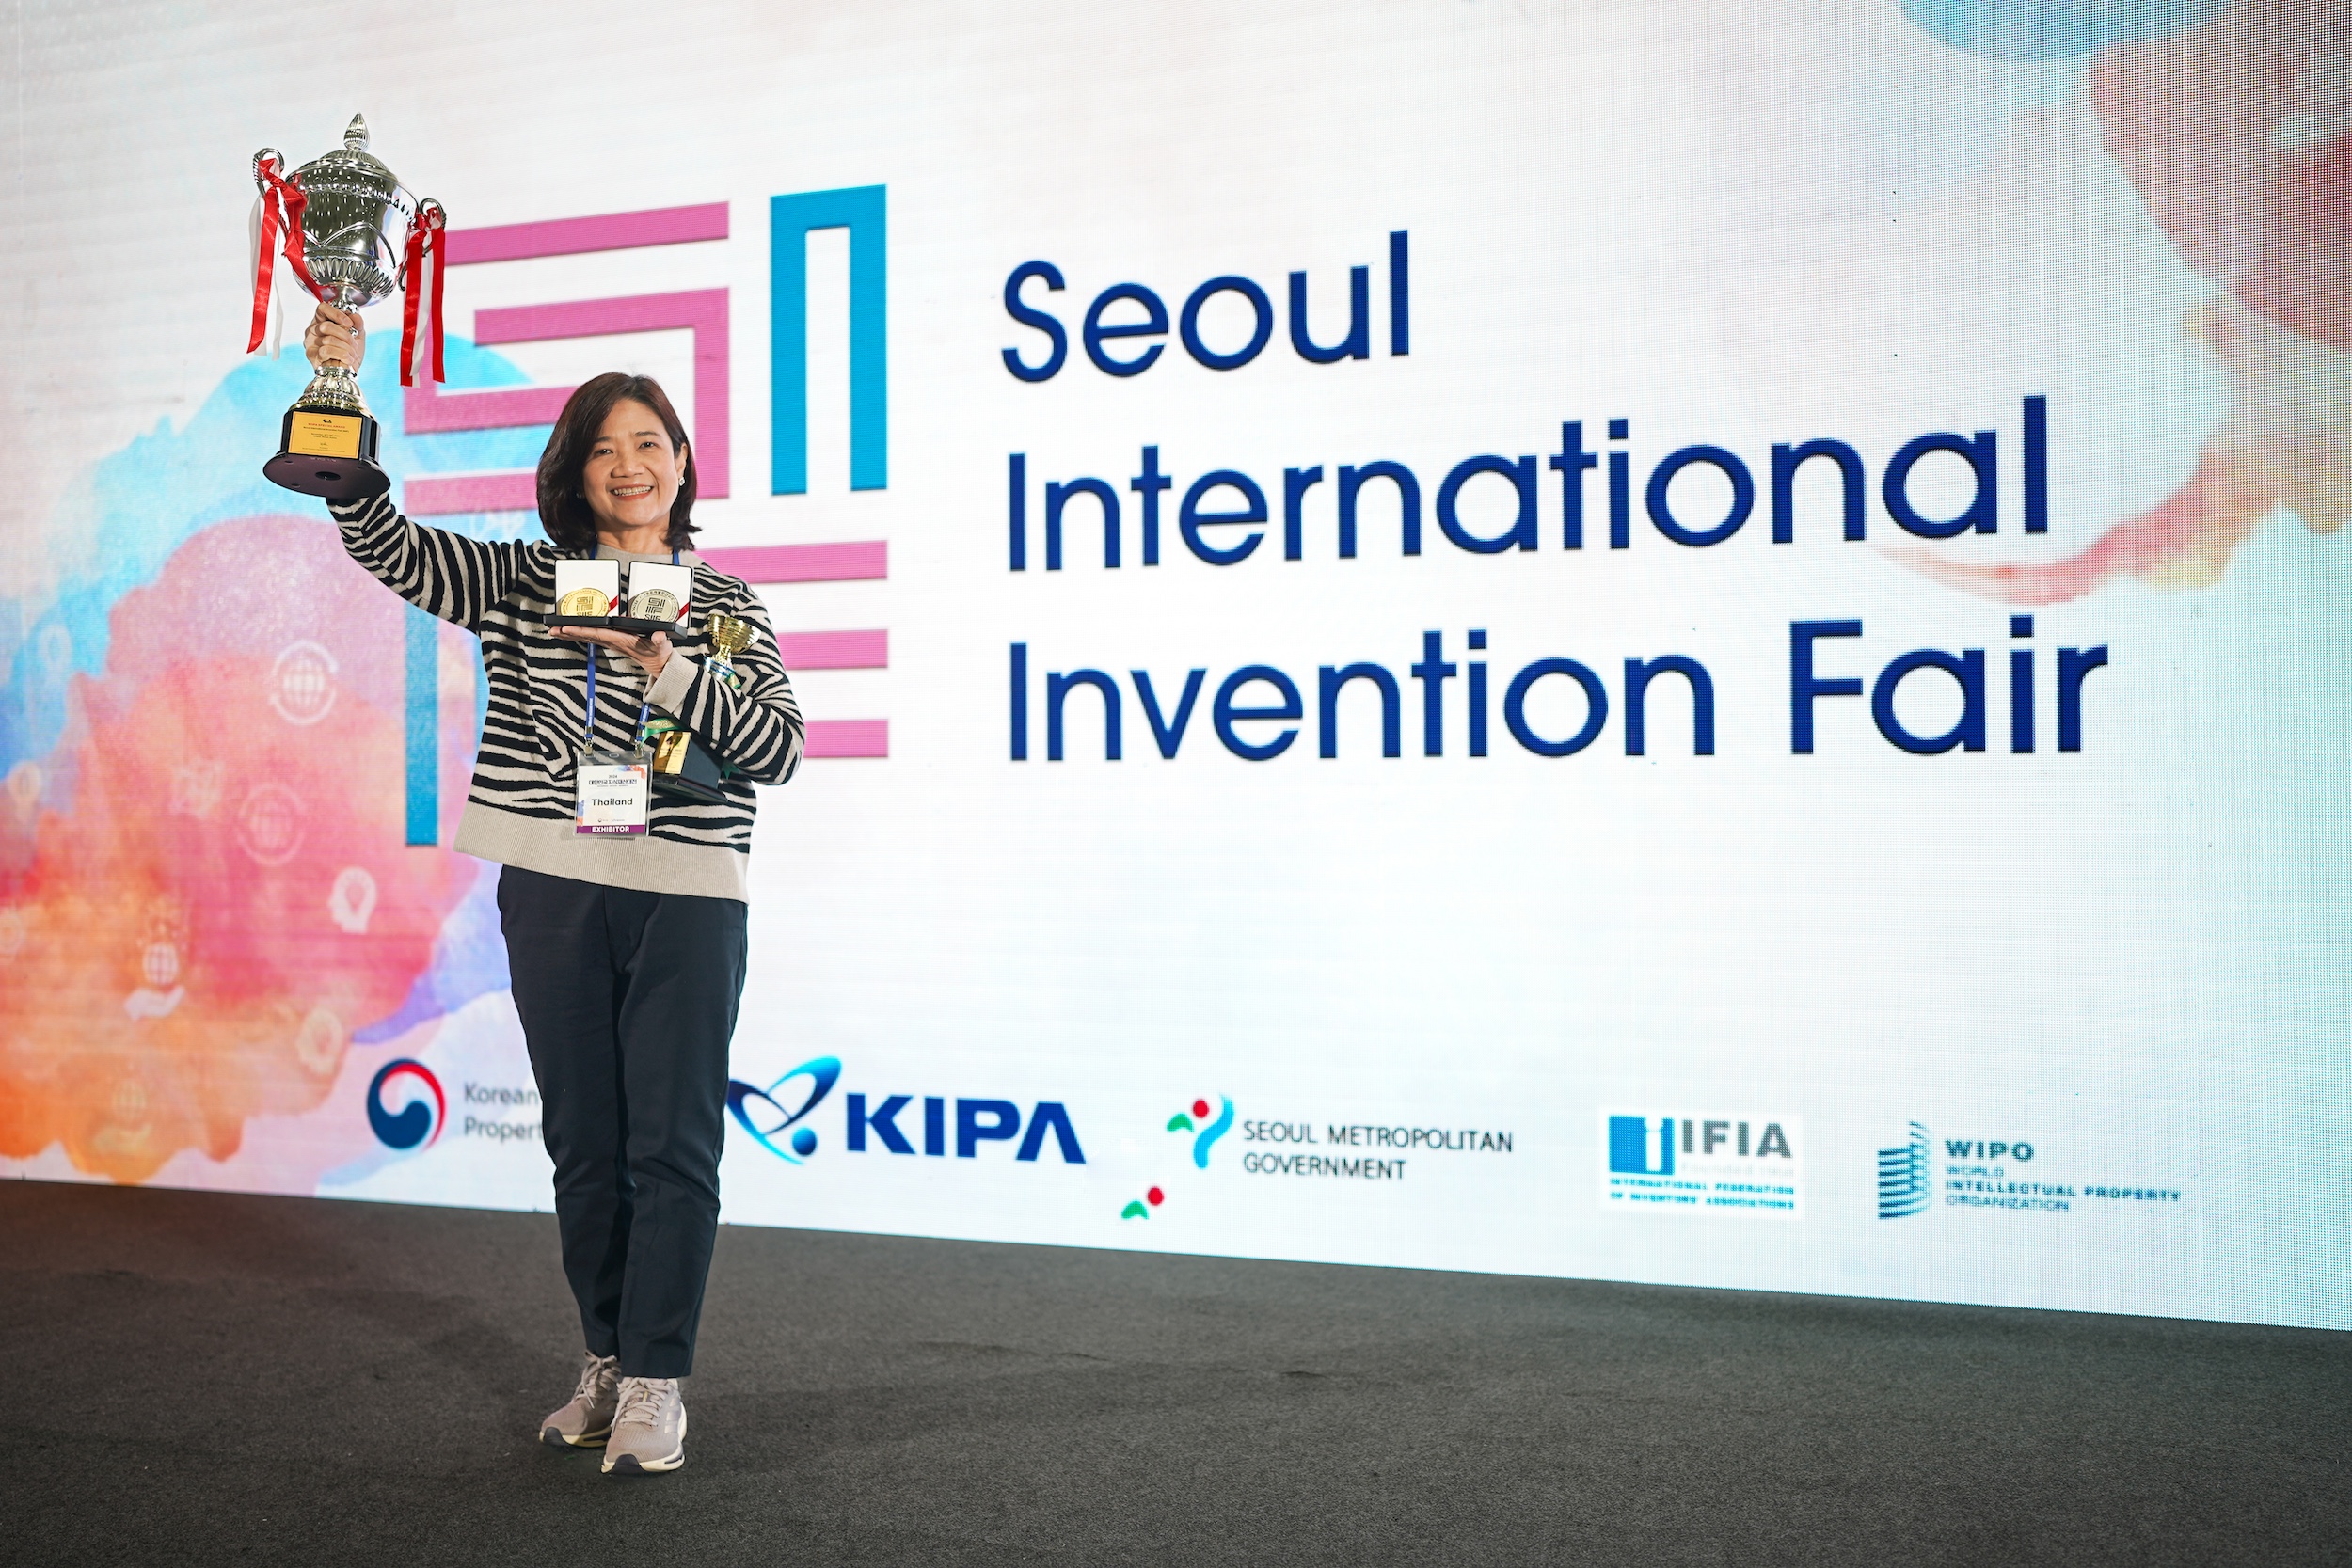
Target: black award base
<point>328,452</point>
<point>623,622</point>
<point>681,766</point>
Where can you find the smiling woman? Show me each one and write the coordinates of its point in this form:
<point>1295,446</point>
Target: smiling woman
<point>618,467</point>
<point>623,912</point>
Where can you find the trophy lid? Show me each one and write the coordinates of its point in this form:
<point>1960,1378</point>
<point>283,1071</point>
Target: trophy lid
<point>353,221</point>
<point>352,164</point>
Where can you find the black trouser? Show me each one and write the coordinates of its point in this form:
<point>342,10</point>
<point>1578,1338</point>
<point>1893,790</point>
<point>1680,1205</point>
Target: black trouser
<point>628,1001</point>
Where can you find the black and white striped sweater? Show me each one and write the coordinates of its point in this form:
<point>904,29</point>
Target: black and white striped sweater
<point>520,810</point>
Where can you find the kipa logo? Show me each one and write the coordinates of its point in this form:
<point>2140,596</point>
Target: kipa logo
<point>976,1121</point>
<point>761,1112</point>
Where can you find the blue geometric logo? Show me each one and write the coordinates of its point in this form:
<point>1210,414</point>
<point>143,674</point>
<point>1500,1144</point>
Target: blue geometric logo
<point>1642,1146</point>
<point>863,211</point>
<point>1904,1183</point>
<point>823,1072</point>
<point>414,1122</point>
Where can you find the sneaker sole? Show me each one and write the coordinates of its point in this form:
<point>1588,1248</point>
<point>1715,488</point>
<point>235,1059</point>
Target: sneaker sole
<point>629,1465</point>
<point>554,1438</point>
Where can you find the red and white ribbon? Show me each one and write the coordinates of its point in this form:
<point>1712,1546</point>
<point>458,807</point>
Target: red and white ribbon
<point>277,213</point>
<point>420,313</point>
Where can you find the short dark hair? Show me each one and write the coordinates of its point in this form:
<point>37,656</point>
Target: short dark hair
<point>563,501</point>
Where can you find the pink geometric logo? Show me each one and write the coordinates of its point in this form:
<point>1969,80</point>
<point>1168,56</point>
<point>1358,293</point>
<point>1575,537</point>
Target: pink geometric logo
<point>702,311</point>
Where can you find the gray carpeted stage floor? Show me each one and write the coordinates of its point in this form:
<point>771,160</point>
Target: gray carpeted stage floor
<point>196,1378</point>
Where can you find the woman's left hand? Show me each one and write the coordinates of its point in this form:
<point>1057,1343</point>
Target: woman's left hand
<point>652,653</point>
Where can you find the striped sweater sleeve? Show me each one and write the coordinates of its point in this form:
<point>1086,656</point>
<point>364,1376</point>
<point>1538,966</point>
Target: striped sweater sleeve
<point>444,574</point>
<point>756,730</point>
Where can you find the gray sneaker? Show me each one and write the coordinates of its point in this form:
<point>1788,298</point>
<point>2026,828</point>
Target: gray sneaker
<point>649,1431</point>
<point>587,1420</point>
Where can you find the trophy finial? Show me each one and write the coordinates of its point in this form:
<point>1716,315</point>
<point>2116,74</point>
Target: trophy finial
<point>355,134</point>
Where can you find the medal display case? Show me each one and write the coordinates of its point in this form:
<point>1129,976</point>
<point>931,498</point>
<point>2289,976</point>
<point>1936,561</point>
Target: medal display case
<point>659,596</point>
<point>584,593</point>
<point>589,593</point>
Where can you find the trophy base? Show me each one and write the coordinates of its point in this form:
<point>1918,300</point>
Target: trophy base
<point>621,622</point>
<point>328,452</point>
<point>682,768</point>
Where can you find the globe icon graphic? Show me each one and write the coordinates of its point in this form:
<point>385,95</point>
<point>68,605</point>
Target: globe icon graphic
<point>272,824</point>
<point>304,674</point>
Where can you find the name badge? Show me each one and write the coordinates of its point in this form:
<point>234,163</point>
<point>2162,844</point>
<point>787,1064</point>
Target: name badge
<point>613,790</point>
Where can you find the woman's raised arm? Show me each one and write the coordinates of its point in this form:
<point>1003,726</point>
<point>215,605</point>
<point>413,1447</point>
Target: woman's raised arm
<point>441,573</point>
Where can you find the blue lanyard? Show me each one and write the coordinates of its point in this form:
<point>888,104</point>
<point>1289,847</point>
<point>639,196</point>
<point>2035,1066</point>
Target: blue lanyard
<point>643,707</point>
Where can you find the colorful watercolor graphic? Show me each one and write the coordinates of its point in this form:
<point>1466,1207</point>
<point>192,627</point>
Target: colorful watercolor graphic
<point>2230,122</point>
<point>206,897</point>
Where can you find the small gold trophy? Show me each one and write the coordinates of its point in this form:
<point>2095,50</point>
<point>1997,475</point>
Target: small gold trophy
<point>729,635</point>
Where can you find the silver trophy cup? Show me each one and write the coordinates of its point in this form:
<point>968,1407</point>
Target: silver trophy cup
<point>354,221</point>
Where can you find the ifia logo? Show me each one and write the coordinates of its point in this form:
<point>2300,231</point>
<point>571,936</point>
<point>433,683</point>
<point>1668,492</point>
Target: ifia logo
<point>417,1122</point>
<point>1722,1164</point>
<point>1642,1146</point>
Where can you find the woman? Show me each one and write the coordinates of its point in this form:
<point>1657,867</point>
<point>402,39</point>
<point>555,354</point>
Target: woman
<point>627,951</point>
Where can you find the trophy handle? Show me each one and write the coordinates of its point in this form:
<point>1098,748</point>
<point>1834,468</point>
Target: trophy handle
<point>418,218</point>
<point>268,155</point>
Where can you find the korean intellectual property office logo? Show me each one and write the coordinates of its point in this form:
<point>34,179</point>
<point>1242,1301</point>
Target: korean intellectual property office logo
<point>761,1111</point>
<point>422,1110</point>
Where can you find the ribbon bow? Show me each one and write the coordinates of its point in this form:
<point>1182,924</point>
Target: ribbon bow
<point>420,350</point>
<point>280,211</point>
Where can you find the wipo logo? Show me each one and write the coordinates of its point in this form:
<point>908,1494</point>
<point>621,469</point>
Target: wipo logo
<point>1905,1182</point>
<point>417,1122</point>
<point>783,1136</point>
<point>1907,1172</point>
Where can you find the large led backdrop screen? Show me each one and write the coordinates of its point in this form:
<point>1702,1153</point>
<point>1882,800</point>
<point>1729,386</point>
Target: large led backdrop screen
<point>1697,643</point>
